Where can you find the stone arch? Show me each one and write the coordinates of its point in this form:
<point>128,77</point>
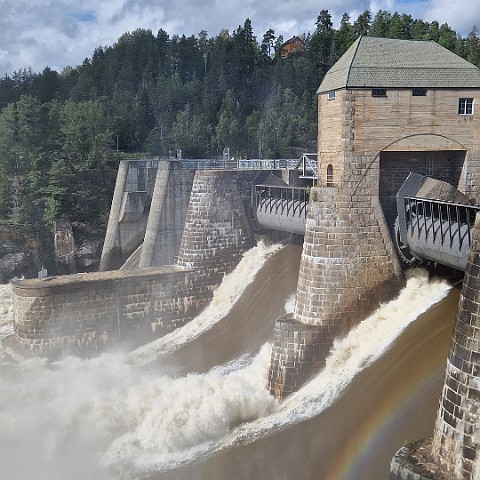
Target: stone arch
<point>424,142</point>
<point>432,155</point>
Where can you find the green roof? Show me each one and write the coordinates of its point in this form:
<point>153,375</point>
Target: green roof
<point>389,63</point>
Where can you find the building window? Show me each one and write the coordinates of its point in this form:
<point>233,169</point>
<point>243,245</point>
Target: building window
<point>329,175</point>
<point>379,92</point>
<point>419,92</point>
<point>429,165</point>
<point>331,95</point>
<point>465,106</point>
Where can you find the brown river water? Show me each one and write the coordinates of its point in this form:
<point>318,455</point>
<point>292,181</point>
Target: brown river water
<point>194,405</point>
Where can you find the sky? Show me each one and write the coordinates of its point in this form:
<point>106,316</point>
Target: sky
<point>58,33</point>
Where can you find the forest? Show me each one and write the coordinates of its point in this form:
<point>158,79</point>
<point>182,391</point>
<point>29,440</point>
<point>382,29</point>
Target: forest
<point>63,133</point>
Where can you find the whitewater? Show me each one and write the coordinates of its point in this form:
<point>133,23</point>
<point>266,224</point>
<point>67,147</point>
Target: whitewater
<point>114,416</point>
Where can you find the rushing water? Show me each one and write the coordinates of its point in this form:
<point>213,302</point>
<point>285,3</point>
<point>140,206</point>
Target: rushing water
<point>162,411</point>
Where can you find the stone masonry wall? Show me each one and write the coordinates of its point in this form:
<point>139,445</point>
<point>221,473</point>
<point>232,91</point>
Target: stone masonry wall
<point>85,313</point>
<point>469,182</point>
<point>217,230</point>
<point>456,441</point>
<point>296,355</point>
<point>347,269</point>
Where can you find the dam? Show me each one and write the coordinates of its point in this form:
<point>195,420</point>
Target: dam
<point>369,141</point>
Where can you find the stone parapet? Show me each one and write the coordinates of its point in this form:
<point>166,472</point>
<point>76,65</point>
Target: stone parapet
<point>84,313</point>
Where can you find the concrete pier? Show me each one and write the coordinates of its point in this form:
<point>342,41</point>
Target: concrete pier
<point>167,215</point>
<point>111,246</point>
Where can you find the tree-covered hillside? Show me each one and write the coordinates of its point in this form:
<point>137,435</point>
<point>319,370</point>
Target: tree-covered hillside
<point>62,133</point>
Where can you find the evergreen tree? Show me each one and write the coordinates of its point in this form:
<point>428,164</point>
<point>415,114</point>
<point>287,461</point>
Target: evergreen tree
<point>381,24</point>
<point>228,132</point>
<point>361,26</point>
<point>472,46</point>
<point>268,42</point>
<point>344,36</point>
<point>152,93</point>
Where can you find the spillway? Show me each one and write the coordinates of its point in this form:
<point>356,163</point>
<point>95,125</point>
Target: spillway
<point>196,405</point>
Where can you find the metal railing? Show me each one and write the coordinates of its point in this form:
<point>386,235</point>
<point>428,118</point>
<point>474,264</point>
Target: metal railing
<point>289,201</point>
<point>440,222</point>
<point>308,161</point>
<point>240,164</point>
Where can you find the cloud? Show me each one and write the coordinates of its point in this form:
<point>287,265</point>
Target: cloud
<point>40,33</point>
<point>460,15</point>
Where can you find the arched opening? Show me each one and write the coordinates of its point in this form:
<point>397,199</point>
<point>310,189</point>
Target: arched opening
<point>444,165</point>
<point>330,175</point>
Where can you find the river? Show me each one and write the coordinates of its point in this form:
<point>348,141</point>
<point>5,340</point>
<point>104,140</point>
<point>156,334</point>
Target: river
<point>195,405</point>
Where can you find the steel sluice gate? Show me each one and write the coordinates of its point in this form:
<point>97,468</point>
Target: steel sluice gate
<point>281,208</point>
<point>434,222</point>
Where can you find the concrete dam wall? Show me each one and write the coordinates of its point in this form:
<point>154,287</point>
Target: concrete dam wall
<point>205,230</point>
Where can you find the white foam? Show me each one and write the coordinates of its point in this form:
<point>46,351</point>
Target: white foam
<point>108,418</point>
<point>347,358</point>
<point>6,310</point>
<point>224,297</point>
<point>172,420</point>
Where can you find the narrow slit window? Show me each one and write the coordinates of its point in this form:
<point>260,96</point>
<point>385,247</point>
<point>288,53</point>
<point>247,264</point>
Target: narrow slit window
<point>329,175</point>
<point>429,165</point>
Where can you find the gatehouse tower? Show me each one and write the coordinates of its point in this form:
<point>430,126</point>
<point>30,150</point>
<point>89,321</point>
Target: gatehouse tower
<point>385,109</point>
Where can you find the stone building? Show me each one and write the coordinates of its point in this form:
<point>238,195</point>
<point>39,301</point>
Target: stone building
<point>402,106</point>
<point>386,108</point>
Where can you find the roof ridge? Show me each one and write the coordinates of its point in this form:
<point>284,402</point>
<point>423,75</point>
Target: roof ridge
<point>353,57</point>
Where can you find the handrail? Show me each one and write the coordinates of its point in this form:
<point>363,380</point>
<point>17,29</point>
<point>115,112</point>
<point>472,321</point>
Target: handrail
<point>445,221</point>
<point>283,200</point>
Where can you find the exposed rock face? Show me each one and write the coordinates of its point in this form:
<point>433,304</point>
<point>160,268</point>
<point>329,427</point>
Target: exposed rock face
<point>24,253</point>
<point>16,254</point>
